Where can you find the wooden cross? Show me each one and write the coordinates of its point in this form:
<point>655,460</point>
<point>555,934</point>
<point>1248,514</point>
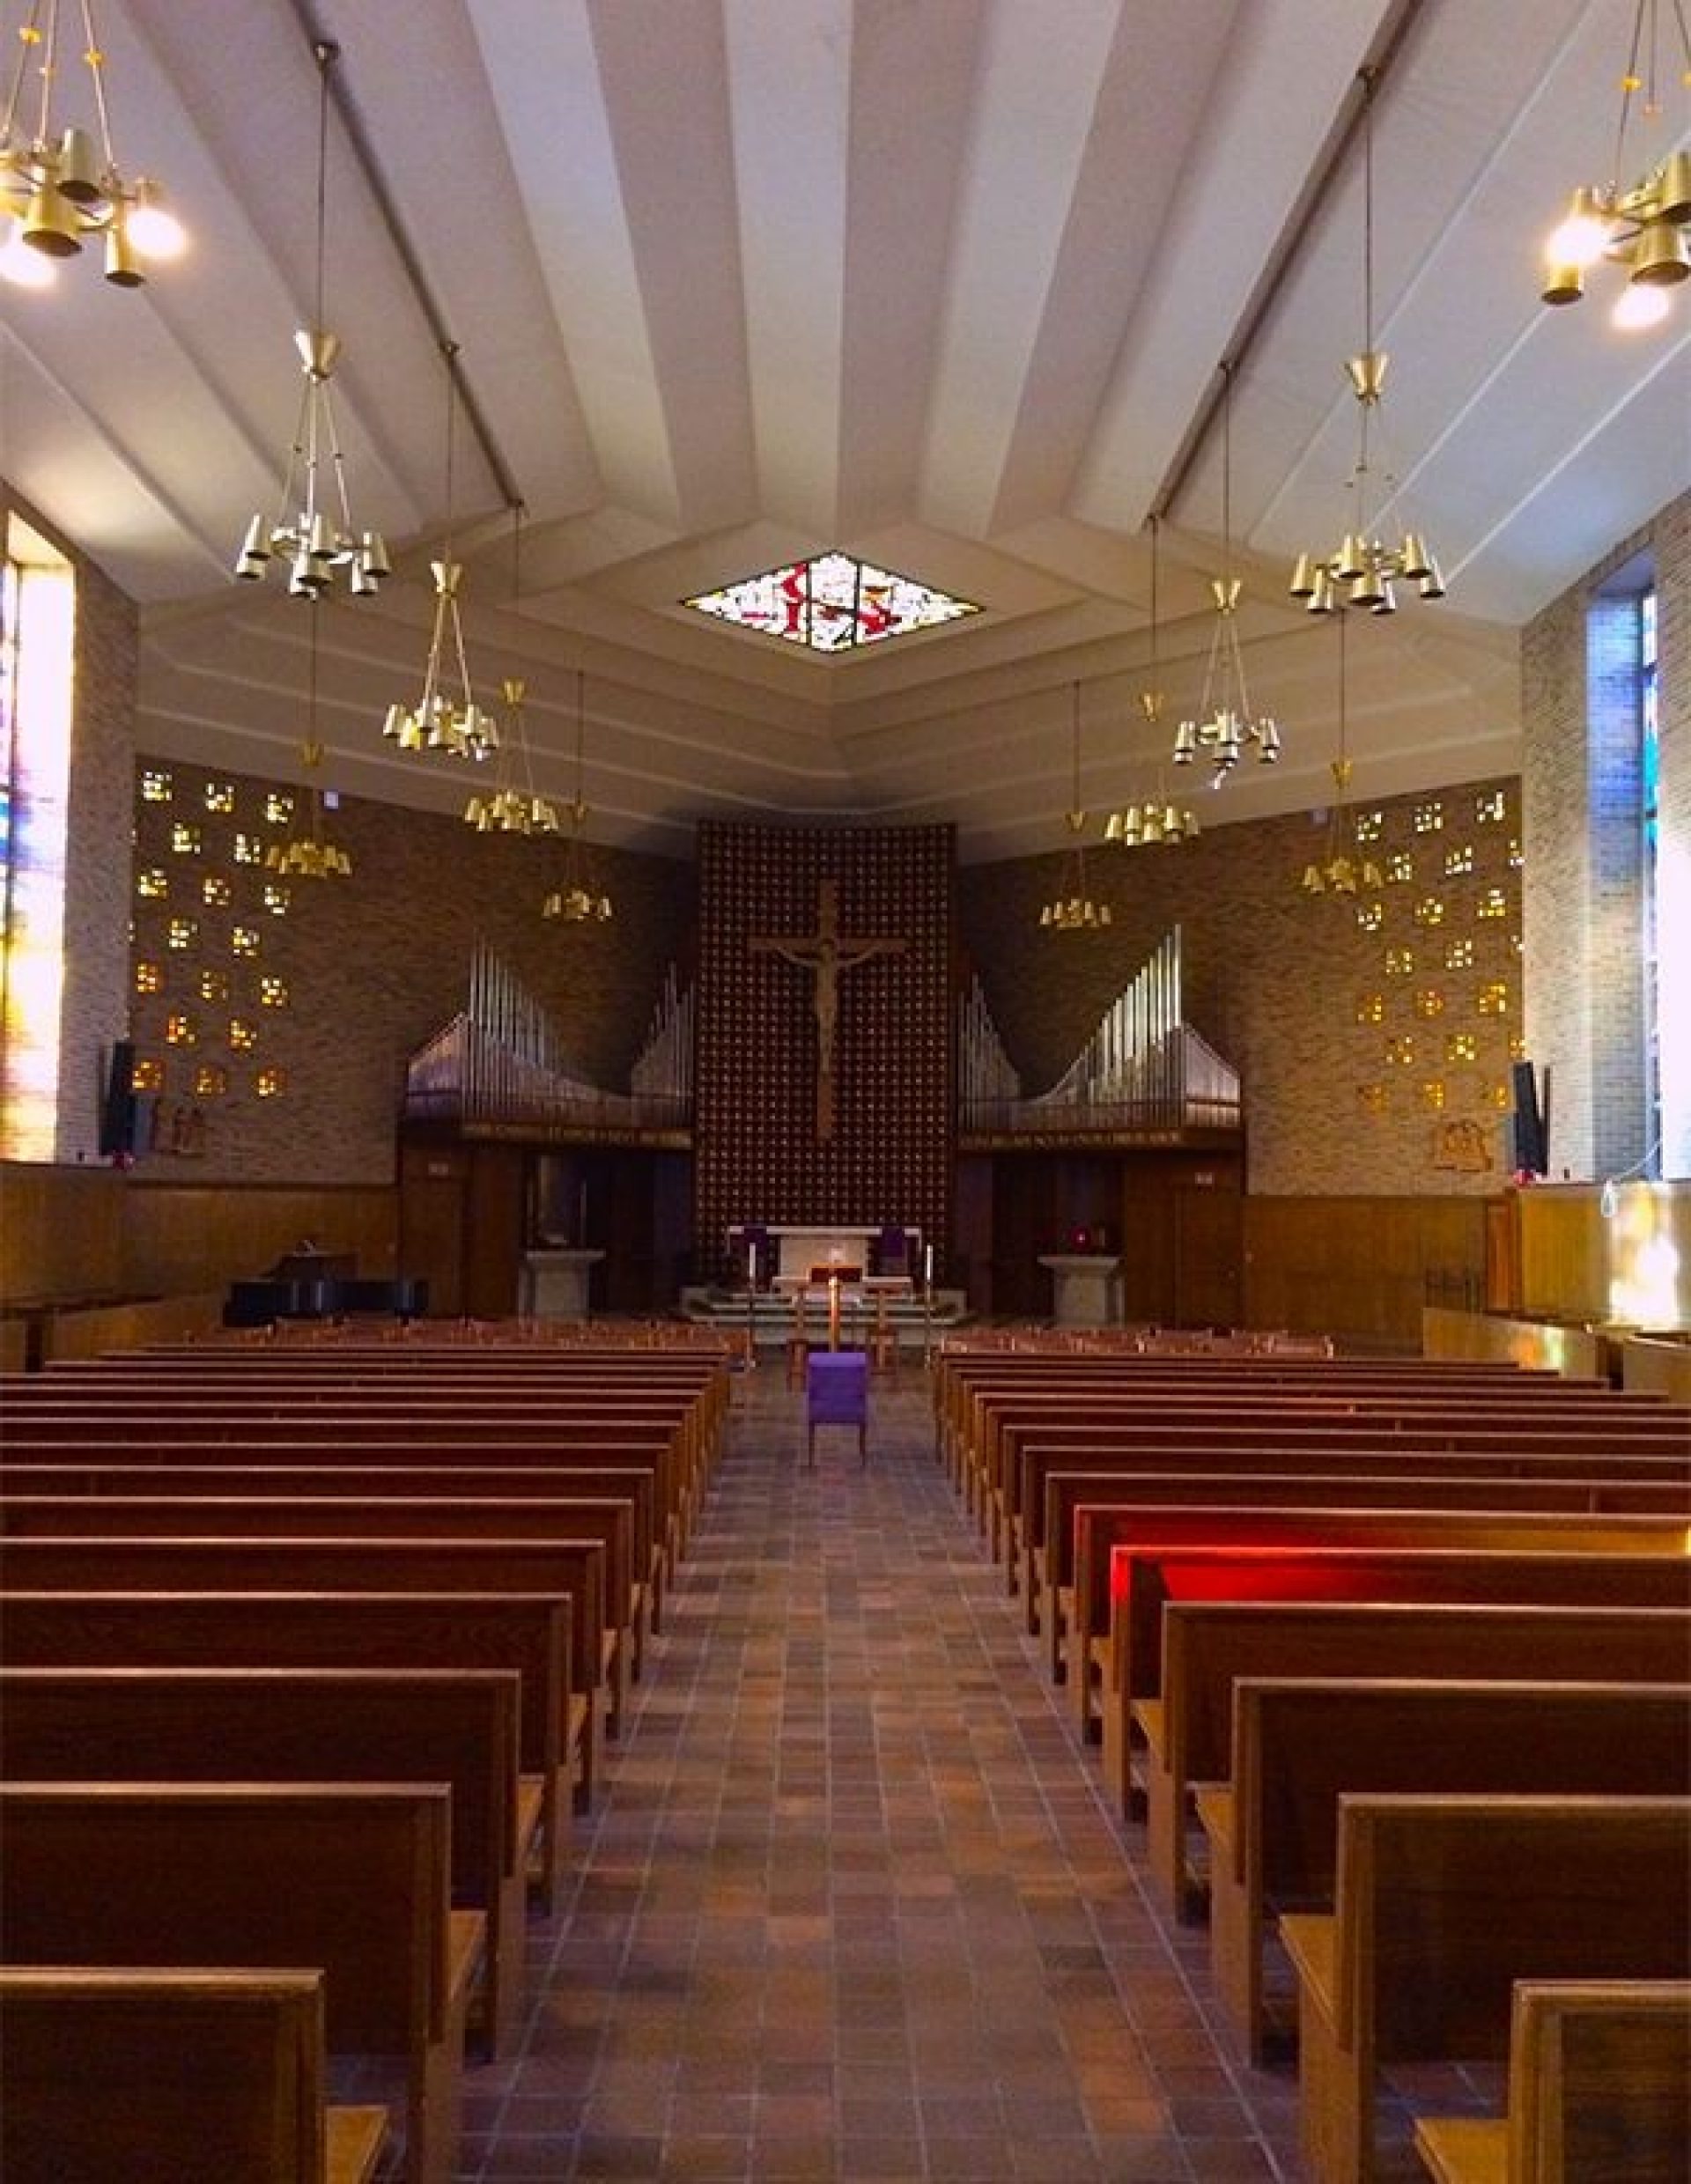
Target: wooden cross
<point>825,953</point>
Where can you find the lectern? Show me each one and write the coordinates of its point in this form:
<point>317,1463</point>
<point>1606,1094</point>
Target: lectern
<point>555,1284</point>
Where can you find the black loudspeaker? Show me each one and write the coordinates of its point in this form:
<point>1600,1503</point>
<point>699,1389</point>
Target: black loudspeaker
<point>117,1112</point>
<point>1532,1137</point>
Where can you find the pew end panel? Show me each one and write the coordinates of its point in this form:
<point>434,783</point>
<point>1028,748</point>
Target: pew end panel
<point>1442,1904</point>
<point>166,2077</point>
<point>1600,2091</point>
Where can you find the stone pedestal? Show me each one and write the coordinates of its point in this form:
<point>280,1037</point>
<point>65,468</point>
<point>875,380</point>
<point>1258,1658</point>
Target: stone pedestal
<point>1085,1287</point>
<point>553,1284</point>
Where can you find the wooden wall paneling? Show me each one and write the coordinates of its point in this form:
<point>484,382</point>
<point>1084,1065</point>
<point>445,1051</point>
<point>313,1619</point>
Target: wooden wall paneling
<point>187,1237</point>
<point>1356,1266</point>
<point>496,1207</point>
<point>61,1229</point>
<point>434,1186</point>
<point>967,1261</point>
<point>1209,1248</point>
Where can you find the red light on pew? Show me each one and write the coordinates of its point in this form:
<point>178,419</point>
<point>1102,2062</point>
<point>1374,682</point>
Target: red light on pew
<point>1270,1560</point>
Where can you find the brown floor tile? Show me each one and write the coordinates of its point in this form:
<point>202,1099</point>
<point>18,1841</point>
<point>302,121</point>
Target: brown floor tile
<point>853,1906</point>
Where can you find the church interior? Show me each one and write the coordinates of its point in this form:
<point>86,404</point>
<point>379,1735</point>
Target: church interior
<point>728,719</point>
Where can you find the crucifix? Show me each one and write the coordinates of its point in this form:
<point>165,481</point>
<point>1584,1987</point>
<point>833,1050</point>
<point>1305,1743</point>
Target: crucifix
<point>825,953</point>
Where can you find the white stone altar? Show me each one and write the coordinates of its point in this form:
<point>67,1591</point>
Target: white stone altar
<point>1085,1289</point>
<point>819,1244</point>
<point>553,1284</point>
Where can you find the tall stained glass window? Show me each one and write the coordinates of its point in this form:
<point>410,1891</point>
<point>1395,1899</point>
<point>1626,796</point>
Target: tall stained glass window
<point>38,611</point>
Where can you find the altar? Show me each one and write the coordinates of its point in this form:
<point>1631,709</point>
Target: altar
<point>796,1251</point>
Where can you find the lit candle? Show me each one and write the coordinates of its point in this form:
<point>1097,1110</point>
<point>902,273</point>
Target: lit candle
<point>754,1266</point>
<point>927,1265</point>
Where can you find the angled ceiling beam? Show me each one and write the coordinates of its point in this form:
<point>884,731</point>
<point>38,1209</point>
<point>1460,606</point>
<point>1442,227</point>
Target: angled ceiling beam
<point>434,316</point>
<point>1387,48</point>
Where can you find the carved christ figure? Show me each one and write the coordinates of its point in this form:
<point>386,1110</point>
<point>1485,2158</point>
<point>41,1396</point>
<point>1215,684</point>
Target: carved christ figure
<point>825,953</point>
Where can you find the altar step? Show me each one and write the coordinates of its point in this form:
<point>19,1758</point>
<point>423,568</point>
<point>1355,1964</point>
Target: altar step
<point>771,1317</point>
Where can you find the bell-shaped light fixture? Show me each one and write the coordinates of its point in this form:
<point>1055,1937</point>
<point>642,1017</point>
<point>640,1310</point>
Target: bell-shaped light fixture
<point>1366,567</point>
<point>513,805</point>
<point>1074,909</point>
<point>446,716</point>
<point>313,540</point>
<point>1226,724</point>
<point>1158,818</point>
<point>1642,225</point>
<point>1338,870</point>
<point>305,852</point>
<point>579,898</point>
<point>60,187</point>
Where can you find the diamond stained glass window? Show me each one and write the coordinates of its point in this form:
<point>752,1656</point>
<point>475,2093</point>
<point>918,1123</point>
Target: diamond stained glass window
<point>831,603</point>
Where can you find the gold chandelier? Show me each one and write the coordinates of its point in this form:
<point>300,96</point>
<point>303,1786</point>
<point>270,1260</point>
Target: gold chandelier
<point>513,805</point>
<point>1642,226</point>
<point>578,899</point>
<point>1073,910</point>
<point>58,187</point>
<point>302,530</point>
<point>447,716</point>
<point>1337,872</point>
<point>1158,819</point>
<point>1364,569</point>
<point>307,853</point>
<point>1226,722</point>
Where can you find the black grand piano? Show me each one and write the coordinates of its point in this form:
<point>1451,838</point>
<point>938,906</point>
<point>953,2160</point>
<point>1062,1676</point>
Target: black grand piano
<point>307,1283</point>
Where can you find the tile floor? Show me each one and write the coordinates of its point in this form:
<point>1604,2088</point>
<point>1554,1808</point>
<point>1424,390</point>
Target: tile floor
<point>851,1907</point>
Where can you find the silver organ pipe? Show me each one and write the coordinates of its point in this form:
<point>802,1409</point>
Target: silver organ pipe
<point>1143,1068</point>
<point>502,1060</point>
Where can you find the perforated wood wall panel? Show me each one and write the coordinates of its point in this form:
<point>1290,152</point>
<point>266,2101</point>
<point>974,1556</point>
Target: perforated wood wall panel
<point>760,1155</point>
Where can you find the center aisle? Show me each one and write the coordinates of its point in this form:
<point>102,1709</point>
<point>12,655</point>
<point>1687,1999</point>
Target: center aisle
<point>852,1908</point>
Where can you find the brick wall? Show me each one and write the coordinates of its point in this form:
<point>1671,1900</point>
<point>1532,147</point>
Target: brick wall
<point>335,983</point>
<point>1340,1012</point>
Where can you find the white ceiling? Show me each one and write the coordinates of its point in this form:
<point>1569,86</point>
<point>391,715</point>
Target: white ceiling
<point>946,282</point>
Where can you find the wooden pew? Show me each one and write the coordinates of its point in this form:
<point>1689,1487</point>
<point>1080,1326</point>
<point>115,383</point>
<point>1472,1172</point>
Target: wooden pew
<point>443,1443</point>
<point>172,2078</point>
<point>528,1632</point>
<point>87,1469</point>
<point>378,1516</point>
<point>1432,1576</point>
<point>1442,1903</point>
<point>457,1726</point>
<point>968,1387</point>
<point>1090,1405</point>
<point>254,1874</point>
<point>568,1570</point>
<point>1600,2090</point>
<point>1272,1539</point>
<point>1600,1479</point>
<point>1418,1482</point>
<point>1272,1824</point>
<point>1208,1439</point>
